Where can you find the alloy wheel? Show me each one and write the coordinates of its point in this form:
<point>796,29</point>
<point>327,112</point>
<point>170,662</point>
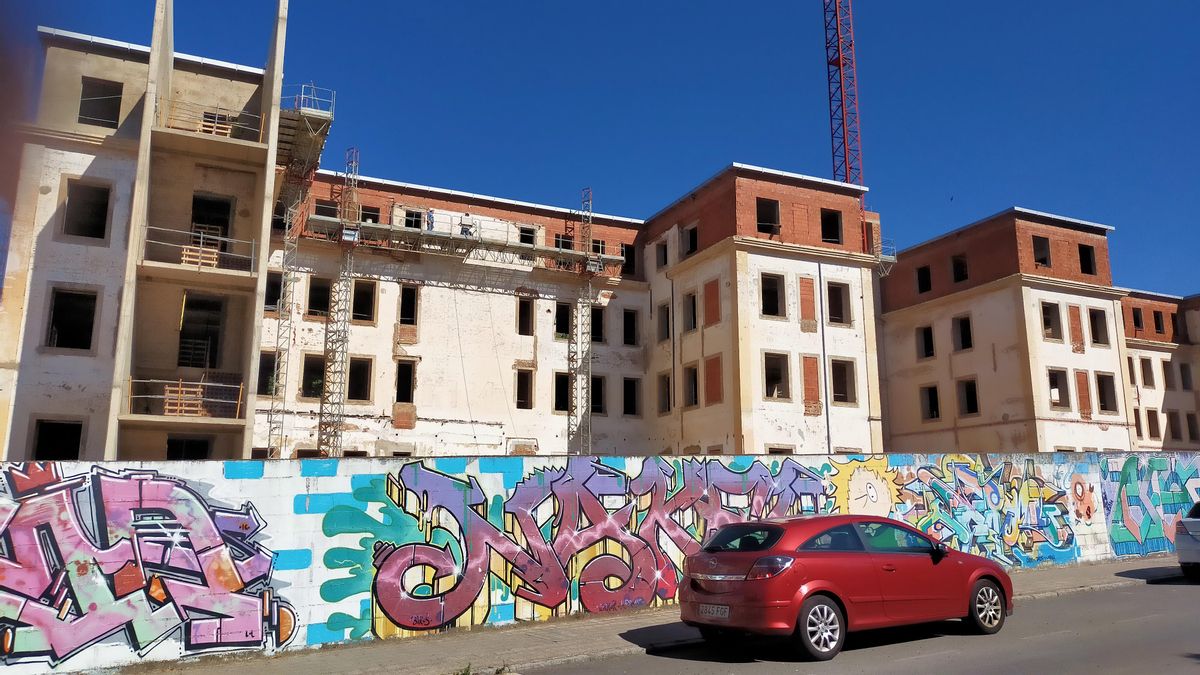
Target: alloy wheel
<point>823,628</point>
<point>987,606</point>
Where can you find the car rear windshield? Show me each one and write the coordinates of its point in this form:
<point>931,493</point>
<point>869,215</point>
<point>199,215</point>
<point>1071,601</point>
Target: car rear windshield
<point>744,537</point>
<point>1195,512</point>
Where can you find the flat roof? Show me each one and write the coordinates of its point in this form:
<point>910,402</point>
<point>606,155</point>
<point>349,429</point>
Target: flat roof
<point>1151,294</point>
<point>488,198</point>
<point>143,49</point>
<point>1063,221</point>
<point>762,170</point>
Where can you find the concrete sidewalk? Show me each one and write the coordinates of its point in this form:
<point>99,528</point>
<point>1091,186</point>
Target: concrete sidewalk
<point>596,636</point>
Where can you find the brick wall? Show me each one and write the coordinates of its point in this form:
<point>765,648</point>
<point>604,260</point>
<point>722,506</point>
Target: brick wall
<point>1148,306</point>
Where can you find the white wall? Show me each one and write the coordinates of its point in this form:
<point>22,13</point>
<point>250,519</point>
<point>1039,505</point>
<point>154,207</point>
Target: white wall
<point>1163,399</point>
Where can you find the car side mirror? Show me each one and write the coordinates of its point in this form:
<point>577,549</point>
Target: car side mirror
<point>939,551</point>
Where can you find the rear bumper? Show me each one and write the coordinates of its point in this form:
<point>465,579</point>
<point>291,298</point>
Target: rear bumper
<point>772,618</point>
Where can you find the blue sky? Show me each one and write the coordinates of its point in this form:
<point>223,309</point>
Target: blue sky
<point>1083,108</point>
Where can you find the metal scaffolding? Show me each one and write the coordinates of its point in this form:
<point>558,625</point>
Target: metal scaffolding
<point>306,113</point>
<point>337,321</point>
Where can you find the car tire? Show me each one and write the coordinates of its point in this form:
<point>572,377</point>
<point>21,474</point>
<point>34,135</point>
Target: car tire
<point>987,608</point>
<point>821,628</point>
<point>1191,571</point>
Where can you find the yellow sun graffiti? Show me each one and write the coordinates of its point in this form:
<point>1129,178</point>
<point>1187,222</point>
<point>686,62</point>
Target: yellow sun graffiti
<point>863,486</point>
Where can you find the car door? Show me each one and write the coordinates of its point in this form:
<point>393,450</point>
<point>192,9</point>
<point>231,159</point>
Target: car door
<point>914,587</point>
<point>838,557</point>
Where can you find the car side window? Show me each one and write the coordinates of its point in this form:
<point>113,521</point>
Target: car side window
<point>887,538</point>
<point>1195,512</point>
<point>840,538</point>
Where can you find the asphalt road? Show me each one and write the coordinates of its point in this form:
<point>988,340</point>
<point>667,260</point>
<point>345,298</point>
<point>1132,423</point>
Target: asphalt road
<point>1140,629</point>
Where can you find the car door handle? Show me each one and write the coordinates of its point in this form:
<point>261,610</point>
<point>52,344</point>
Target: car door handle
<point>889,568</point>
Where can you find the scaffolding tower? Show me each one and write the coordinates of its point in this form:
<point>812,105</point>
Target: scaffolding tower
<point>337,319</point>
<point>579,340</point>
<point>306,113</point>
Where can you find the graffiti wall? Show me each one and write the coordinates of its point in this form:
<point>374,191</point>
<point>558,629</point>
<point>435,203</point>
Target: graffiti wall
<point>104,565</point>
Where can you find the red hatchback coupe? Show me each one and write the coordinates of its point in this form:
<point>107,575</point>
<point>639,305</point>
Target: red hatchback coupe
<point>817,577</point>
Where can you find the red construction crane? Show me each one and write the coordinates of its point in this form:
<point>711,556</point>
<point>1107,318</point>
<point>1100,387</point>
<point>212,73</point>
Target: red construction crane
<point>843,92</point>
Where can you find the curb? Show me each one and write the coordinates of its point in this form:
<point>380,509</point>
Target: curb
<point>632,650</point>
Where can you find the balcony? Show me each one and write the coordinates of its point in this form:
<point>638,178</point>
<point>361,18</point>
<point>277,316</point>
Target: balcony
<point>186,126</point>
<point>217,400</point>
<point>198,255</point>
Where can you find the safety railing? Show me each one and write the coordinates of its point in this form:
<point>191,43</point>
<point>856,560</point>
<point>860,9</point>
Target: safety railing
<point>199,248</point>
<point>211,119</point>
<point>181,398</point>
<point>307,98</point>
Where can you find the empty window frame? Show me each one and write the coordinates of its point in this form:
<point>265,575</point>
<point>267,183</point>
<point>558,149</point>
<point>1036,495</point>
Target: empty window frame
<point>1041,251</point>
<point>1087,259</point>
<point>691,385</point>
<point>1193,428</point>
<point>1152,428</point>
<point>628,260</point>
<point>776,377</point>
<point>964,338</point>
<point>779,450</point>
<point>414,219</point>
<point>318,298</point>
<point>664,322</point>
<point>1098,325</point>
<point>841,374</point>
<point>524,389</point>
<point>958,268</point>
<point>100,103</point>
<point>1060,391</point>
<point>86,211</point>
<point>838,303</point>
<point>358,380</point>
<point>968,398</point>
<point>363,305</point>
<point>1106,391</point>
<point>369,214</point>
<point>631,396</point>
<point>772,295</point>
<point>599,395</point>
<point>1168,375</point>
<point>406,381</point>
<point>1051,321</point>
<point>326,208</point>
<point>57,440</point>
<point>1137,422</point>
<point>629,327</point>
<point>690,320</point>
<point>660,254</point>
<point>562,392</point>
<point>1185,376</point>
<point>1174,430</point>
<point>768,215</point>
<point>664,393</point>
<point>930,403</point>
<point>188,449</point>
<point>72,319</point>
<point>924,279</point>
<point>598,331</point>
<point>524,316</point>
<point>1147,373</point>
<point>689,240</point>
<point>1160,326</point>
<point>408,304</point>
<point>1132,371</point>
<point>599,247</point>
<point>563,242</point>
<point>925,347</point>
<point>312,376</point>
<point>266,374</point>
<point>274,292</point>
<point>562,320</point>
<point>1138,323</point>
<point>831,226</point>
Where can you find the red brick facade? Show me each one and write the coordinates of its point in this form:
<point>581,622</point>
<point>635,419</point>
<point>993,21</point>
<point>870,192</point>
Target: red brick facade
<point>1174,328</point>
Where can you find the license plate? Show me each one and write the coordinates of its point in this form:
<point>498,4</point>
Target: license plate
<point>714,611</point>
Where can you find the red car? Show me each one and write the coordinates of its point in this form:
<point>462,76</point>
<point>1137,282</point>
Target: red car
<point>817,577</point>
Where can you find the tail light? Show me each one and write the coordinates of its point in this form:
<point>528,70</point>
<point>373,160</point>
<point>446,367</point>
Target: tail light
<point>770,566</point>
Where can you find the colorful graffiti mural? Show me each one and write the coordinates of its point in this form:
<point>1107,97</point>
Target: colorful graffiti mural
<point>533,538</point>
<point>128,556</point>
<point>1144,496</point>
